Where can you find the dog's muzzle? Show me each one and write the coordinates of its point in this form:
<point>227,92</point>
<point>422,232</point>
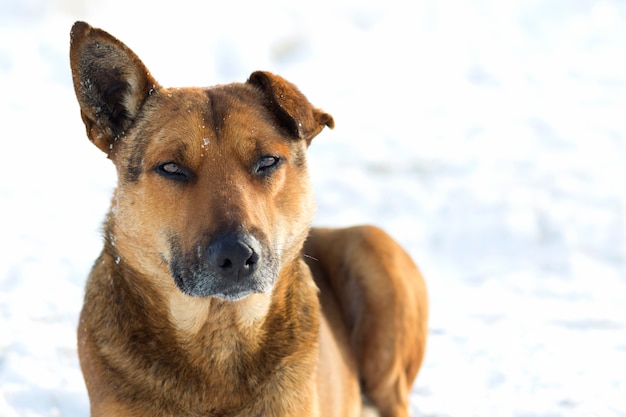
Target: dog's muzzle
<point>230,267</point>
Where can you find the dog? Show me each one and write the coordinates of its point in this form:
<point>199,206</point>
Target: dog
<point>213,296</point>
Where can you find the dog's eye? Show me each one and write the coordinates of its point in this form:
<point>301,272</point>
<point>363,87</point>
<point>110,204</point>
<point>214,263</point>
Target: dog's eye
<point>174,171</point>
<point>267,164</point>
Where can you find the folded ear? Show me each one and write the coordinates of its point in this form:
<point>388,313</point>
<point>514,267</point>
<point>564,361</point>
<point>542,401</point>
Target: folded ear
<point>291,108</point>
<point>110,82</point>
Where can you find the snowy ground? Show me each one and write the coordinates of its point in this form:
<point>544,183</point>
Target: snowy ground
<point>487,136</point>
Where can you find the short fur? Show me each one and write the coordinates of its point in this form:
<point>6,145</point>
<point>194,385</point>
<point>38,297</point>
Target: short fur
<point>201,302</point>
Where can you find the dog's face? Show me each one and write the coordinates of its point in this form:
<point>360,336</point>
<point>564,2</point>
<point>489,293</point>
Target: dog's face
<point>211,184</point>
<point>213,191</point>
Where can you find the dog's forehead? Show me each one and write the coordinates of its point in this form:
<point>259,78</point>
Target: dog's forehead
<point>233,110</point>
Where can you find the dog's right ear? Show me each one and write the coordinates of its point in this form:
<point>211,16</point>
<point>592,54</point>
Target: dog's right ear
<point>110,82</point>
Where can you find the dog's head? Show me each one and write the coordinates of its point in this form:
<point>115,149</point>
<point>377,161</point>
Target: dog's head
<point>213,190</point>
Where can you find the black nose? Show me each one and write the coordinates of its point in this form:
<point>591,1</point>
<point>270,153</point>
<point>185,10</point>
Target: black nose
<point>234,256</point>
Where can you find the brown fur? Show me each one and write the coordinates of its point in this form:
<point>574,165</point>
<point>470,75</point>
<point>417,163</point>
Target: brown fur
<point>165,330</point>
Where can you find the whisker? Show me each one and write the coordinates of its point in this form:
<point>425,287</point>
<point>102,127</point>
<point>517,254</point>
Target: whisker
<point>310,257</point>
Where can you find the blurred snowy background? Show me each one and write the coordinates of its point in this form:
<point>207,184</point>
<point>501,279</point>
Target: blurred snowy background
<point>488,136</point>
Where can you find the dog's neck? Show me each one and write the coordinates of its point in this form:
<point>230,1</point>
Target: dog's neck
<point>189,314</point>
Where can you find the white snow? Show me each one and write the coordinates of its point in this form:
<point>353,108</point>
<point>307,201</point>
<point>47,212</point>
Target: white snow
<point>487,136</point>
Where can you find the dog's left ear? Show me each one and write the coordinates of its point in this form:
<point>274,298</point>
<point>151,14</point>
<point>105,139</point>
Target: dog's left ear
<point>110,82</point>
<point>291,108</point>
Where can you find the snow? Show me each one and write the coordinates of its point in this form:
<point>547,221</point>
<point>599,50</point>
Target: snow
<point>487,136</point>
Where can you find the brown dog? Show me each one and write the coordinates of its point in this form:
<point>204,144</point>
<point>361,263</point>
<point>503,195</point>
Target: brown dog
<point>201,303</point>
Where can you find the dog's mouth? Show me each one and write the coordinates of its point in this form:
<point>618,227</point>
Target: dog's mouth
<point>231,267</point>
<point>202,284</point>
